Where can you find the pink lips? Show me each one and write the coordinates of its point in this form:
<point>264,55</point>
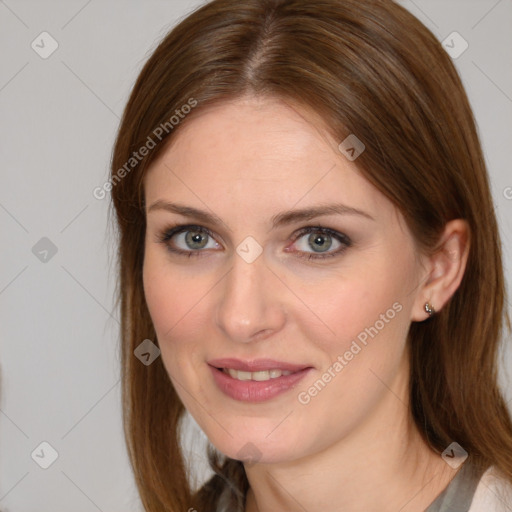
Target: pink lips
<point>255,391</point>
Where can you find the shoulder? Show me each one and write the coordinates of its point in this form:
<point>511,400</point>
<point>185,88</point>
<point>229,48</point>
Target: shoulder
<point>493,493</point>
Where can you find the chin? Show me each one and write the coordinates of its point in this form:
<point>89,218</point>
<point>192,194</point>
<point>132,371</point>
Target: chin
<point>259,444</point>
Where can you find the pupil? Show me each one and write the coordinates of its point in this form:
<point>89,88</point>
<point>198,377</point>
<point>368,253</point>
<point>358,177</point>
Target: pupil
<point>195,240</point>
<point>321,242</point>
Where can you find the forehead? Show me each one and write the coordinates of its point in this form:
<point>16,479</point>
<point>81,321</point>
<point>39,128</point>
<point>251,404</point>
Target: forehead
<point>256,153</point>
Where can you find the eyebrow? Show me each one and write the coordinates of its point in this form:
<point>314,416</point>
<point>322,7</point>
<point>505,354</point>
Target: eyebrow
<point>281,219</point>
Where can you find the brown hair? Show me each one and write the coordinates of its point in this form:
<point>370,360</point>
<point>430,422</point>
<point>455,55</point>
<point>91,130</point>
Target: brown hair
<point>370,68</point>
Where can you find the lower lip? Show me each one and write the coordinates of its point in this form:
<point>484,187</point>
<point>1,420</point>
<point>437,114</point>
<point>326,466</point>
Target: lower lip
<point>256,391</point>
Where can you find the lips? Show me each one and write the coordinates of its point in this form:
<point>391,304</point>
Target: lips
<point>256,380</point>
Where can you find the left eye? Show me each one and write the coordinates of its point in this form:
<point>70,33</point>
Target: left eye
<point>321,241</point>
<point>194,239</point>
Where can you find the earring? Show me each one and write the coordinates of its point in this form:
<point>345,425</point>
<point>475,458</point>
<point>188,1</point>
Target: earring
<point>429,309</point>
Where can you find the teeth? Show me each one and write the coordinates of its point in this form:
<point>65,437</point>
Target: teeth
<point>257,376</point>
<point>263,375</point>
<point>244,375</point>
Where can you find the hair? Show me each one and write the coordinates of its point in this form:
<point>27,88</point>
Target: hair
<point>370,68</point>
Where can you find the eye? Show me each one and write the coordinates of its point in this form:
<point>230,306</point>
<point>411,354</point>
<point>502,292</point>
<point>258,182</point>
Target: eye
<point>318,242</point>
<point>189,240</point>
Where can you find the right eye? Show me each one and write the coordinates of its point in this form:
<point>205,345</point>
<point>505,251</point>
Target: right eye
<point>189,240</point>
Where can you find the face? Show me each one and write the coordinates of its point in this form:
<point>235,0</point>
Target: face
<point>280,282</point>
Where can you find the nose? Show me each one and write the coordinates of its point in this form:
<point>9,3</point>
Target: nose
<point>249,306</point>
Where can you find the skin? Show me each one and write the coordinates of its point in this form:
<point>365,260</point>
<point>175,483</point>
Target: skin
<point>353,446</point>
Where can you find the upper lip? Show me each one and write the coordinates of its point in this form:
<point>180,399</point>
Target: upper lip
<point>256,365</point>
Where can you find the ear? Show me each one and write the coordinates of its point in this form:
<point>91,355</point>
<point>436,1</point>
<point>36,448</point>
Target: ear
<point>444,269</point>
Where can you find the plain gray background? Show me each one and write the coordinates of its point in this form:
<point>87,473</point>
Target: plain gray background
<point>59,380</point>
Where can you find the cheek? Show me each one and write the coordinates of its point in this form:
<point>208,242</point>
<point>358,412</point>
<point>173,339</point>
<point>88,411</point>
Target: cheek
<point>170,301</point>
<point>366,313</point>
<point>369,318</point>
<point>360,304</point>
<point>178,305</point>
<point>169,294</point>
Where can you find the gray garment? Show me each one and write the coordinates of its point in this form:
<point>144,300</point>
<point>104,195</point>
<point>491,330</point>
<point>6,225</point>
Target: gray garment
<point>458,495</point>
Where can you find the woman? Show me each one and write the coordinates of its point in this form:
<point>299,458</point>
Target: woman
<point>307,235</point>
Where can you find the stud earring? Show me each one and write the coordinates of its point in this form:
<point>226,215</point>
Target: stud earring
<point>429,309</point>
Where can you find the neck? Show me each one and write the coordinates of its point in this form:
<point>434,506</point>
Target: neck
<point>382,465</point>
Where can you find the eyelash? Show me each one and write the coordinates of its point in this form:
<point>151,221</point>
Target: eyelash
<point>169,233</point>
